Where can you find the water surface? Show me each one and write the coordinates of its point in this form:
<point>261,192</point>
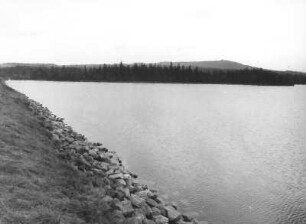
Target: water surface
<point>230,154</point>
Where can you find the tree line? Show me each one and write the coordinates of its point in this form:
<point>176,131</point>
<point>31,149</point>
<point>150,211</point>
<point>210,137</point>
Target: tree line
<point>152,73</point>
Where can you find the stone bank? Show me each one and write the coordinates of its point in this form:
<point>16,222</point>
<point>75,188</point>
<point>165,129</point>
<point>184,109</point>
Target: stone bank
<point>124,200</point>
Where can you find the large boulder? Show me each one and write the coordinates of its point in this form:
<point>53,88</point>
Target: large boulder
<point>159,219</point>
<point>116,176</point>
<point>148,221</point>
<point>120,182</point>
<point>172,214</point>
<point>138,219</point>
<point>145,194</point>
<point>156,211</point>
<point>125,191</point>
<point>151,202</point>
<point>146,209</point>
<point>136,200</point>
<point>116,217</point>
<point>126,207</point>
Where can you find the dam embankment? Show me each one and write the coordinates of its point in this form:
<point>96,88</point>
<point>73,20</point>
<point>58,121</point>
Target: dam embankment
<point>51,174</point>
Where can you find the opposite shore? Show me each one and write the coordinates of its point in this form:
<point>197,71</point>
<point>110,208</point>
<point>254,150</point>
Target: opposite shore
<point>51,174</point>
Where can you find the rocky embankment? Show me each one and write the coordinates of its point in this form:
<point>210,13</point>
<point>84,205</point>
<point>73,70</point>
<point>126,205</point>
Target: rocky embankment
<point>123,198</point>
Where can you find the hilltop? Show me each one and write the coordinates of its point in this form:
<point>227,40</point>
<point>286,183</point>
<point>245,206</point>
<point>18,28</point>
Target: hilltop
<point>221,64</point>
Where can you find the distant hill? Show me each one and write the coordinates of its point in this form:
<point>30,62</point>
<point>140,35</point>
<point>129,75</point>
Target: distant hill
<point>13,64</point>
<point>221,64</point>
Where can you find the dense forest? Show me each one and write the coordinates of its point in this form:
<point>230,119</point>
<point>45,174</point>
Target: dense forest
<point>152,73</point>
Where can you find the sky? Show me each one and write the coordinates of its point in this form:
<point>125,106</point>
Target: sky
<point>264,33</point>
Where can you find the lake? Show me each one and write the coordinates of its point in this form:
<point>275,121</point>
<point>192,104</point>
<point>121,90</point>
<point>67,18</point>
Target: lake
<point>229,154</point>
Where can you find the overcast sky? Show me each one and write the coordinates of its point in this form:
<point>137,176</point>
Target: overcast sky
<point>265,33</point>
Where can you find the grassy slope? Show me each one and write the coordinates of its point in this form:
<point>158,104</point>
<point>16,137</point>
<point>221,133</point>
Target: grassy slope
<point>36,186</point>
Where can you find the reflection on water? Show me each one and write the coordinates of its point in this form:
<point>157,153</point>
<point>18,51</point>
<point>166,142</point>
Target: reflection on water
<point>227,154</point>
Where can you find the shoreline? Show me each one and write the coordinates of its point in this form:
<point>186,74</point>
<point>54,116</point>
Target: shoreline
<point>122,199</point>
<point>157,82</point>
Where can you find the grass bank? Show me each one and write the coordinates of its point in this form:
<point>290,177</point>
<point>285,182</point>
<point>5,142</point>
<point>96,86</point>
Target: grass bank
<point>36,186</point>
